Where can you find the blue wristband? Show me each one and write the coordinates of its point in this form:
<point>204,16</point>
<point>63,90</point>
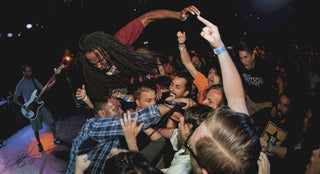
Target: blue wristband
<point>182,48</point>
<point>127,99</point>
<point>220,50</point>
<point>272,148</point>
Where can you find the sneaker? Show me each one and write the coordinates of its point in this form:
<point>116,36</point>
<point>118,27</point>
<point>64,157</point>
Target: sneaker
<point>40,147</point>
<point>57,141</point>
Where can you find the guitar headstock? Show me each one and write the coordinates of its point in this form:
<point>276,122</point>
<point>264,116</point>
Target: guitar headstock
<point>59,69</point>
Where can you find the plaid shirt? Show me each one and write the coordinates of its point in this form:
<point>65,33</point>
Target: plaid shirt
<point>99,135</point>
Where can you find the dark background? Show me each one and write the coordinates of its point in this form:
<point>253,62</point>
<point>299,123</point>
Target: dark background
<point>58,25</point>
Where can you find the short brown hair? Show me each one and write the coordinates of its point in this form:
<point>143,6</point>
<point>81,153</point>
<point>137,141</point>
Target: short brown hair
<point>234,145</point>
<point>146,86</point>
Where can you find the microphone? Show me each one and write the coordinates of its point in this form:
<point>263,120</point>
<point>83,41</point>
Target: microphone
<point>176,104</point>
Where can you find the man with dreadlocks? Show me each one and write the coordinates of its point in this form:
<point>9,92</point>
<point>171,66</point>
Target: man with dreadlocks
<point>107,61</point>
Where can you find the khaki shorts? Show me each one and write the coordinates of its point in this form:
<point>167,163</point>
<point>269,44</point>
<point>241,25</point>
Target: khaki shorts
<point>44,116</point>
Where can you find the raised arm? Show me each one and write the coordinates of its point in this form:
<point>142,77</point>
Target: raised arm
<point>279,81</point>
<point>164,14</point>
<point>185,57</point>
<point>82,95</point>
<point>232,84</point>
<point>130,130</point>
<point>161,70</point>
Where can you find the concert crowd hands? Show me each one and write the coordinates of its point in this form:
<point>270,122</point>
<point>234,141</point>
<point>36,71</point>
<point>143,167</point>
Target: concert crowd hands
<point>191,9</point>
<point>211,33</point>
<point>130,130</point>
<point>263,163</point>
<point>82,163</point>
<point>129,126</point>
<point>81,93</point>
<point>181,37</point>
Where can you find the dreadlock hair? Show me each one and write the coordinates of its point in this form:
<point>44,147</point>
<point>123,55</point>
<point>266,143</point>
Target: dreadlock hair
<point>128,62</point>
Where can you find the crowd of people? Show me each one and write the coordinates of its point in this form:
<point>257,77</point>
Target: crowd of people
<point>242,109</point>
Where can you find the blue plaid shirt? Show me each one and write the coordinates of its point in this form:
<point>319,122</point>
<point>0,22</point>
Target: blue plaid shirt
<point>99,135</point>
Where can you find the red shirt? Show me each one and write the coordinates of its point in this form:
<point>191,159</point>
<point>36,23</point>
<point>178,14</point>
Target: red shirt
<point>128,34</point>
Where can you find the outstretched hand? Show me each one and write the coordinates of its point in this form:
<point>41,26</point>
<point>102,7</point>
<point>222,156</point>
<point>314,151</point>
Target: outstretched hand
<point>191,9</point>
<point>130,130</point>
<point>211,33</point>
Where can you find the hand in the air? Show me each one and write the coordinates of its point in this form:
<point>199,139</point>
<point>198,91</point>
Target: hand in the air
<point>81,93</point>
<point>211,33</point>
<point>191,9</point>
<point>181,37</point>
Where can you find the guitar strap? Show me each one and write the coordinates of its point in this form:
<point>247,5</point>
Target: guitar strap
<point>34,83</point>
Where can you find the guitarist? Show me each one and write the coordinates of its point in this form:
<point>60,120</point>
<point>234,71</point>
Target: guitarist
<point>24,89</point>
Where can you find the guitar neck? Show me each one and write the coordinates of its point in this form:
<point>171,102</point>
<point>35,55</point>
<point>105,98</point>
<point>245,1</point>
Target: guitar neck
<point>45,88</point>
<point>56,71</point>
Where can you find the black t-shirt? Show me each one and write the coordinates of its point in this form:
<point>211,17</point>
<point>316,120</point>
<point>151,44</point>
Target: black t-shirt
<point>272,130</point>
<point>258,81</point>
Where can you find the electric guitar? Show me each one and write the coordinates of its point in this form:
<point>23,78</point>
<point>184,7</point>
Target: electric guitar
<point>31,108</point>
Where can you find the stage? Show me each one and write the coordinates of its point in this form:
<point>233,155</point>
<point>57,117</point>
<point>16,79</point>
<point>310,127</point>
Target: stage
<point>20,155</point>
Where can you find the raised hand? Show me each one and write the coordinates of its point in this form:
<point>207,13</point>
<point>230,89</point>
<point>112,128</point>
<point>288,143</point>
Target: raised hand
<point>130,130</point>
<point>181,37</point>
<point>211,33</point>
<point>81,93</point>
<point>191,9</point>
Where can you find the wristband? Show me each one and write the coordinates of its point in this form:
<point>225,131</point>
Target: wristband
<point>220,50</point>
<point>127,99</point>
<point>85,98</point>
<point>272,148</point>
<point>182,48</point>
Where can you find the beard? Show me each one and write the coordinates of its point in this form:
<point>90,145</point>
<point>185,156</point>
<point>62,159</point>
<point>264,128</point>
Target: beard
<point>281,115</point>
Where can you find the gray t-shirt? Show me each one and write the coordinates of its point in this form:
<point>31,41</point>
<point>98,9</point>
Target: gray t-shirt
<point>25,88</point>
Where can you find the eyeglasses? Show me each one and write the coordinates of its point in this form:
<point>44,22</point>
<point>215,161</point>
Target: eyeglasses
<point>188,146</point>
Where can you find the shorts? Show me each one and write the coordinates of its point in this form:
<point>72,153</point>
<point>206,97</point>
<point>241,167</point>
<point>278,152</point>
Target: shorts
<point>45,116</point>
